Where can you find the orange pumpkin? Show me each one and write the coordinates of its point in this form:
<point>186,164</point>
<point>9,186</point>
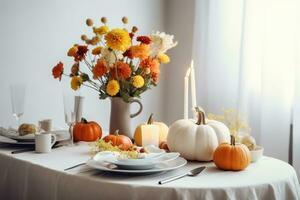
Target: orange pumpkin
<point>232,156</point>
<point>121,141</point>
<point>86,131</point>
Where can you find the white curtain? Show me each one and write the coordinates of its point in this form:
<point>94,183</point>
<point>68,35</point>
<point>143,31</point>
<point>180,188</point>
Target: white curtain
<point>247,58</point>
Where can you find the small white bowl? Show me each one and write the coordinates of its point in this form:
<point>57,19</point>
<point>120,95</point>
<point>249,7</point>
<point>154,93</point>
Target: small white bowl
<point>257,153</point>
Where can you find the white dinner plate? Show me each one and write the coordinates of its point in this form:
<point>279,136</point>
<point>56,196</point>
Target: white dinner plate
<point>61,135</point>
<point>160,167</point>
<point>6,140</point>
<point>148,162</point>
<point>25,138</point>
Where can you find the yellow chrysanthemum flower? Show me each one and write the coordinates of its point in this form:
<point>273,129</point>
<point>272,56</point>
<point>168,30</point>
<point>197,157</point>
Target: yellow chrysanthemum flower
<point>101,30</point>
<point>118,39</point>
<point>163,58</point>
<point>72,51</point>
<point>112,87</point>
<point>76,82</point>
<point>138,81</point>
<point>96,50</point>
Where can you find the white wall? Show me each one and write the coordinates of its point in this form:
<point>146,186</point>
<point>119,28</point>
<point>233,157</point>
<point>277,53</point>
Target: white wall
<point>35,35</point>
<point>179,21</point>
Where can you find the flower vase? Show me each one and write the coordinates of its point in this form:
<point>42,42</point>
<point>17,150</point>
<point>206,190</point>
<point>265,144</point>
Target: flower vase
<point>120,116</point>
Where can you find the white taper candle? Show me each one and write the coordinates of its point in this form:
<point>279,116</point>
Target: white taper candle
<point>186,94</point>
<point>193,85</point>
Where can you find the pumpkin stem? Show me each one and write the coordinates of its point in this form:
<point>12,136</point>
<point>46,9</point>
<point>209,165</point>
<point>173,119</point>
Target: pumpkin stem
<point>150,120</point>
<point>83,120</point>
<point>201,116</point>
<point>232,140</point>
<point>116,132</point>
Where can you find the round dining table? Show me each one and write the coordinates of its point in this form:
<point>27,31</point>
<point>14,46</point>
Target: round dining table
<point>30,175</point>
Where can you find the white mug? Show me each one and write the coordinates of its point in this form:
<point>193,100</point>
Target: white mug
<point>44,142</point>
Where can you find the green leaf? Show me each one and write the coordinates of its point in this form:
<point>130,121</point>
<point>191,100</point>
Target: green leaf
<point>85,77</point>
<point>125,97</point>
<point>103,95</point>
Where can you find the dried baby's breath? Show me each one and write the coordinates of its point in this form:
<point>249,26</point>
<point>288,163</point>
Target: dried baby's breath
<point>233,120</point>
<point>101,145</point>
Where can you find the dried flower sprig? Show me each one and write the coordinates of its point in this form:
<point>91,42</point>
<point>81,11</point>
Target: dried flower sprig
<point>234,120</point>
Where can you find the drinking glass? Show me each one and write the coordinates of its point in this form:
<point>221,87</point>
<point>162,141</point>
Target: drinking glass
<point>69,112</point>
<point>17,94</point>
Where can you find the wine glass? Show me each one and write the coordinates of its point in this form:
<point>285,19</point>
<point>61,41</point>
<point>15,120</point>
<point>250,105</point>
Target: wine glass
<point>17,94</point>
<point>69,112</point>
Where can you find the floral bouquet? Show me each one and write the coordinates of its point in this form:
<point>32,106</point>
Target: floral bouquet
<point>118,62</point>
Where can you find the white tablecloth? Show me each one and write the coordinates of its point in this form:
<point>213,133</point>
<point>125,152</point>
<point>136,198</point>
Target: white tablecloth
<point>41,176</point>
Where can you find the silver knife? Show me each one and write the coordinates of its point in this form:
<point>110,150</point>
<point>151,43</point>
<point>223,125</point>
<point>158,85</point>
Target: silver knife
<point>193,172</point>
<point>78,165</point>
<point>105,164</point>
<point>31,149</point>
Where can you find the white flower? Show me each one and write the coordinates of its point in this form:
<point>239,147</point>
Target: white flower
<point>160,43</point>
<point>111,57</point>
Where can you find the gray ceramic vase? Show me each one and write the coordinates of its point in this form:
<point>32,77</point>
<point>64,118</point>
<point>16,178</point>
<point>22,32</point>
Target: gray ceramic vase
<point>120,116</point>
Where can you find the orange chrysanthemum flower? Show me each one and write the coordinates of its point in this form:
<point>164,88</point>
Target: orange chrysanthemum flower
<point>152,64</point>
<point>121,70</point>
<point>100,69</point>
<point>94,40</point>
<point>141,51</point>
<point>155,77</point>
<point>96,50</point>
<point>58,70</point>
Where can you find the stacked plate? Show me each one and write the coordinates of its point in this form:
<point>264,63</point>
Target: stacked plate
<point>10,136</point>
<point>152,163</point>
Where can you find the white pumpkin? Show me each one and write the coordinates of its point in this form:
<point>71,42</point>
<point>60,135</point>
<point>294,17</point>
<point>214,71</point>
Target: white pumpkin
<point>249,141</point>
<point>197,141</point>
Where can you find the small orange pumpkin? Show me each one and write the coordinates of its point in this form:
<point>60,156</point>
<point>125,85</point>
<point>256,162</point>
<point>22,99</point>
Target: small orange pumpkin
<point>232,156</point>
<point>86,131</point>
<point>121,141</point>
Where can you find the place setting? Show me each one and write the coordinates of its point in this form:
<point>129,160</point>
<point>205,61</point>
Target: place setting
<point>141,165</point>
<point>42,136</point>
<point>42,142</point>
